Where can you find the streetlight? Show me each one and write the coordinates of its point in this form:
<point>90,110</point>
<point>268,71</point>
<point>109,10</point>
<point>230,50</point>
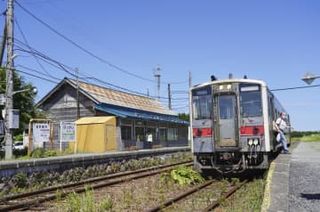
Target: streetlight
<point>309,78</point>
<point>12,122</point>
<point>34,90</point>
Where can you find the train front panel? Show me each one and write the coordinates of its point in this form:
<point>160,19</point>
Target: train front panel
<point>228,121</point>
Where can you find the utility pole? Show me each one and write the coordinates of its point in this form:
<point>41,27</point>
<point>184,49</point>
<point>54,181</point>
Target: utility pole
<point>78,100</point>
<point>157,75</point>
<point>9,81</point>
<point>190,109</point>
<point>190,80</point>
<point>169,97</point>
<point>3,43</point>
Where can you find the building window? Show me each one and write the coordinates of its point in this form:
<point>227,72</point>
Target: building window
<point>151,131</point>
<point>140,136</point>
<point>163,134</point>
<point>125,132</point>
<point>183,133</point>
<point>172,134</point>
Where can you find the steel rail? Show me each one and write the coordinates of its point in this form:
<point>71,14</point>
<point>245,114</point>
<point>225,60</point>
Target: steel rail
<point>180,196</point>
<point>74,187</point>
<point>216,203</point>
<point>193,190</point>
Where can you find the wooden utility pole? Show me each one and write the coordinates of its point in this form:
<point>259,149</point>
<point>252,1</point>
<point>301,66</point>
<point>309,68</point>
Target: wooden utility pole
<point>3,42</point>
<point>190,80</point>
<point>169,97</point>
<point>190,109</point>
<point>9,81</point>
<point>78,100</point>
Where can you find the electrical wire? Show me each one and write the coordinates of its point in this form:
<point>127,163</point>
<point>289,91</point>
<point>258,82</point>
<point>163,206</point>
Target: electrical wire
<point>35,76</point>
<point>65,68</point>
<point>36,71</point>
<point>26,41</point>
<point>90,53</point>
<point>297,87</point>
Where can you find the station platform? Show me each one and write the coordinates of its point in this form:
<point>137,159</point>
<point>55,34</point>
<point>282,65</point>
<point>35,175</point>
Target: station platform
<point>293,181</point>
<point>9,168</point>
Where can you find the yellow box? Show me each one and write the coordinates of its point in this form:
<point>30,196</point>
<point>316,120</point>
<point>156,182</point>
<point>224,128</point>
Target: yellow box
<point>96,134</point>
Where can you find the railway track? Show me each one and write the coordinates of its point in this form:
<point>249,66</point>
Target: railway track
<point>198,188</point>
<point>27,200</point>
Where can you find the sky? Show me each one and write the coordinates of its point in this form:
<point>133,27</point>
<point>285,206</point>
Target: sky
<point>277,41</point>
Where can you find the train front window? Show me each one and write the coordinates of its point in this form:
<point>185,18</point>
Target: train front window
<point>202,104</point>
<point>250,99</point>
<point>226,107</point>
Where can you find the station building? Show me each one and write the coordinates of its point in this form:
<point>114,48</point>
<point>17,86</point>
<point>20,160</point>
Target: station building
<point>141,121</point>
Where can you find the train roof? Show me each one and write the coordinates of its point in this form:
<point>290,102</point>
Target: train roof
<point>262,83</point>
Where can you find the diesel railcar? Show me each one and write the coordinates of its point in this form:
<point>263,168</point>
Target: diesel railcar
<point>232,123</point>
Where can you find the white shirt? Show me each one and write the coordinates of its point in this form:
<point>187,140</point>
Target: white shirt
<point>149,137</point>
<point>281,123</point>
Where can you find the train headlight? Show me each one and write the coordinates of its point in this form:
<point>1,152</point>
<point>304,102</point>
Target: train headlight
<point>250,142</point>
<point>256,141</point>
<point>220,87</point>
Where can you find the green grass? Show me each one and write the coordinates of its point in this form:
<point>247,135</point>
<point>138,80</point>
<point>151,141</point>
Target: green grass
<point>248,198</point>
<point>86,203</point>
<point>307,138</point>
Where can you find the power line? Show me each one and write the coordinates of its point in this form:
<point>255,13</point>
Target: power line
<point>70,70</point>
<point>36,71</point>
<point>64,67</point>
<point>32,75</point>
<point>86,50</point>
<point>26,41</point>
<point>297,87</point>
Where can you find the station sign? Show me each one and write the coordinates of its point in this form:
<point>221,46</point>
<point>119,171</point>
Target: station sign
<point>41,132</point>
<point>67,131</point>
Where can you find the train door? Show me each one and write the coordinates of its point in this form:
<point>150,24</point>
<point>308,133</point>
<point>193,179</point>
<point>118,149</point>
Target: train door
<point>226,119</point>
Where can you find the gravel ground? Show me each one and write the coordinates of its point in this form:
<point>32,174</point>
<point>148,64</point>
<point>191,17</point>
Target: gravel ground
<point>304,180</point>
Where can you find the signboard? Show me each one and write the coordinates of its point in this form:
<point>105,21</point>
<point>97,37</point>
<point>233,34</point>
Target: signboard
<point>41,132</point>
<point>67,131</point>
<point>14,118</point>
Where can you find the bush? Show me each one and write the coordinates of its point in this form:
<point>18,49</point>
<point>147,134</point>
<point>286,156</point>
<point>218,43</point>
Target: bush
<point>186,175</point>
<point>38,153</point>
<point>42,153</point>
<point>18,137</point>
<point>50,153</point>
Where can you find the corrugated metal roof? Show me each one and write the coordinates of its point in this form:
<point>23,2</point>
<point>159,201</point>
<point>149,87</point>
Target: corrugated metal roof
<point>138,114</point>
<point>123,99</point>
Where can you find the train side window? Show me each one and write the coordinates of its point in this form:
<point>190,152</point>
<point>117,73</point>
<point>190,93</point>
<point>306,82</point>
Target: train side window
<point>251,104</point>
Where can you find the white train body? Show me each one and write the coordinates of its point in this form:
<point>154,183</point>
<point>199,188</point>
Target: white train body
<point>232,124</point>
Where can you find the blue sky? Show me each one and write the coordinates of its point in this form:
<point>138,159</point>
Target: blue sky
<point>276,41</point>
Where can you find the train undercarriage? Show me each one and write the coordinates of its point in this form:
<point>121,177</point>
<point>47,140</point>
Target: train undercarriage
<point>232,162</point>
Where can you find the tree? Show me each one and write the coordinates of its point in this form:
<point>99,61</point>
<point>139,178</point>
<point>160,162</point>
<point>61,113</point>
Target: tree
<point>23,101</point>
<point>184,116</point>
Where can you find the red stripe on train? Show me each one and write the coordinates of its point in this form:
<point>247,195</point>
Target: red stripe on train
<point>252,130</point>
<point>202,132</point>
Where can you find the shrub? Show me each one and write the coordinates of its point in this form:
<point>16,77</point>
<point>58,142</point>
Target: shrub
<point>186,175</point>
<point>38,153</point>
